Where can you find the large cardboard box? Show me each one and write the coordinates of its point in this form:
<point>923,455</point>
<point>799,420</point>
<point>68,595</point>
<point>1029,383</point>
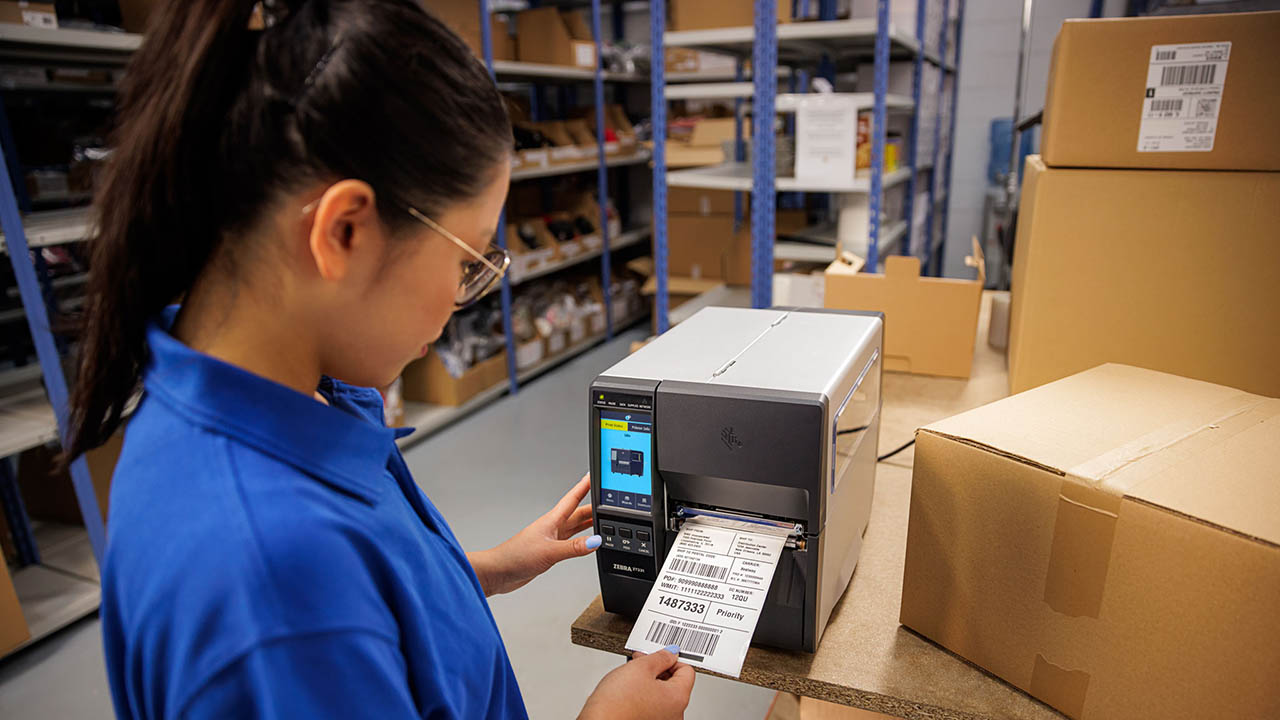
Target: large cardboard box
<point>545,35</point>
<point>1194,92</point>
<point>1170,270</point>
<point>426,380</point>
<point>703,15</point>
<point>930,324</point>
<point>705,247</point>
<point>1109,543</point>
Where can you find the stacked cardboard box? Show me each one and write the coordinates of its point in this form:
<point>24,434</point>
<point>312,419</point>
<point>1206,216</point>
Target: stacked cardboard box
<point>1147,230</point>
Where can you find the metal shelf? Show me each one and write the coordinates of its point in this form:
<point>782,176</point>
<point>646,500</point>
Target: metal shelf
<point>583,166</point>
<point>427,420</point>
<point>53,227</point>
<point>63,588</point>
<point>892,239</point>
<point>737,176</point>
<point>98,47</point>
<point>516,70</point>
<point>623,240</point>
<point>26,421</point>
<point>725,76</point>
<point>708,90</point>
<point>838,39</point>
<point>789,102</point>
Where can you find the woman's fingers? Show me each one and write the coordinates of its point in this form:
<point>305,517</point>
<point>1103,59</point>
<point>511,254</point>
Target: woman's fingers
<point>573,498</point>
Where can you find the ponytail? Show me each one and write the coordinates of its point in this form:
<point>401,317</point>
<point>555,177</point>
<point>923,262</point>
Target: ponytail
<point>217,120</point>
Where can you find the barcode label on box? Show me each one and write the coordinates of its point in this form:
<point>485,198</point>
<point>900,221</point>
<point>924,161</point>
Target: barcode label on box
<point>709,594</point>
<point>1183,97</point>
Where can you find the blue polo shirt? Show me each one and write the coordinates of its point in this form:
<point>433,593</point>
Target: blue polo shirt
<point>269,556</point>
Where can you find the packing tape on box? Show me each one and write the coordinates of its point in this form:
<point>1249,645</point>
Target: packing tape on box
<point>709,594</point>
<point>1091,494</point>
<point>1063,689</point>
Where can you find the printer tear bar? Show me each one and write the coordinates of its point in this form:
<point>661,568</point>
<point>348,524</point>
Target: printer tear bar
<point>795,531</point>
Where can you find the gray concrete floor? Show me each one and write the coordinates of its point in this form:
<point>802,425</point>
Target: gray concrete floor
<point>490,474</point>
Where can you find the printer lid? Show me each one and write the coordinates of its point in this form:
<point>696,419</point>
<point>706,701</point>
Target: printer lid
<point>755,348</point>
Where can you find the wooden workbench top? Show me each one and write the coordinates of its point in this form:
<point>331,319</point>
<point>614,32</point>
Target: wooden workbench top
<point>866,659</point>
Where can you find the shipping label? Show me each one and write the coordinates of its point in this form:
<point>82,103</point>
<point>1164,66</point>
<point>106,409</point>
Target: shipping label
<point>1183,97</point>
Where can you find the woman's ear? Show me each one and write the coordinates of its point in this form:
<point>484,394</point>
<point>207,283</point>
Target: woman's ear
<point>346,222</point>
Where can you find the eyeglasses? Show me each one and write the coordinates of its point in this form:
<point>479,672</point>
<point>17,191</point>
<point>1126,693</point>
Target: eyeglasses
<point>478,275</point>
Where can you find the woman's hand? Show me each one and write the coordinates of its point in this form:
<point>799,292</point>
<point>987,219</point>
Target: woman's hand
<point>535,549</point>
<point>650,686</point>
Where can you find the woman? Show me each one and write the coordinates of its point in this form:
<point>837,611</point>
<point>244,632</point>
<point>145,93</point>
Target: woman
<point>319,195</point>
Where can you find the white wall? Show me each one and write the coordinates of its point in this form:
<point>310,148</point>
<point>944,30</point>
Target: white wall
<point>988,72</point>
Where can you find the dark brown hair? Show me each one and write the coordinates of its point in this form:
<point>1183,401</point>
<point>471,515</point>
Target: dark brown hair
<point>218,121</point>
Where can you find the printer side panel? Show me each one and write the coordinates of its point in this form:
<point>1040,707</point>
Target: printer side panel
<point>852,438</point>
<point>625,490</point>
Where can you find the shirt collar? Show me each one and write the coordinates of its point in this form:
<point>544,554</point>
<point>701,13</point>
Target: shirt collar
<point>332,443</point>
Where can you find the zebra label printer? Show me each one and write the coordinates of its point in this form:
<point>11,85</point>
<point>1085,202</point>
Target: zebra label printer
<point>769,416</point>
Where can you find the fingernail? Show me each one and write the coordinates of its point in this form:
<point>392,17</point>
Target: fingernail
<point>593,542</point>
<point>673,649</point>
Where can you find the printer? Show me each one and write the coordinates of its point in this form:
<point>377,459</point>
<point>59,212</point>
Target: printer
<point>765,416</point>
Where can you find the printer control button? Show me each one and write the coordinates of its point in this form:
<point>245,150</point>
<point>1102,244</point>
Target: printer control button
<point>644,502</point>
<point>611,542</point>
<point>609,497</point>
<point>645,549</point>
<point>606,529</point>
<point>624,532</point>
<point>627,544</point>
<point>643,535</point>
<point>627,500</point>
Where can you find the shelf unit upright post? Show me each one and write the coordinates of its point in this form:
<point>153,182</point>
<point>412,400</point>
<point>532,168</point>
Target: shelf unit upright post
<point>936,257</point>
<point>764,62</point>
<point>486,44</point>
<point>55,383</point>
<point>658,121</point>
<point>602,175</point>
<point>879,116</point>
<point>937,138</point>
<point>739,145</point>
<point>913,150</point>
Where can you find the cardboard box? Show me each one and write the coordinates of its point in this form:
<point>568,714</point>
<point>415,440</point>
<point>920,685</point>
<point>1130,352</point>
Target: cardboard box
<point>530,353</point>
<point>35,14</point>
<point>1109,543</point>
<point>703,15</point>
<point>426,380</point>
<point>545,35</point>
<point>930,324</point>
<point>706,247</point>
<point>705,143</point>
<point>13,624</point>
<point>463,18</point>
<point>699,201</point>
<point>525,259</point>
<point>1133,93</point>
<point>1170,270</point>
<point>49,495</point>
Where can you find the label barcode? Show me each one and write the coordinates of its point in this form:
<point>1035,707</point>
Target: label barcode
<point>1167,105</point>
<point>692,641</point>
<point>1188,74</point>
<point>1166,54</point>
<point>706,570</point>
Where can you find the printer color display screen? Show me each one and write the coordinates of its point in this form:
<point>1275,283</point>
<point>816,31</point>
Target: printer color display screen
<point>626,457</point>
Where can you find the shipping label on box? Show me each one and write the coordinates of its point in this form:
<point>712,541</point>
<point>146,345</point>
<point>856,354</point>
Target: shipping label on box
<point>1183,97</point>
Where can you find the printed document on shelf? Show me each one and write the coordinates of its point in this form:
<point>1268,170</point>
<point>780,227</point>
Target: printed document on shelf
<point>708,597</point>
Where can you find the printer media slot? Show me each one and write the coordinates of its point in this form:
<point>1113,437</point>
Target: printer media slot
<point>795,530</point>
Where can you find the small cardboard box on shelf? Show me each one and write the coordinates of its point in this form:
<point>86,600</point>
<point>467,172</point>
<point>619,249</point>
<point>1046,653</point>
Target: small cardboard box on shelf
<point>13,624</point>
<point>1191,92</point>
<point>930,324</point>
<point>702,15</point>
<point>463,18</point>
<point>1108,543</point>
<point>551,37</point>
<point>1185,281</point>
<point>427,380</point>
<point>35,14</point>
<point>525,258</point>
<point>530,353</point>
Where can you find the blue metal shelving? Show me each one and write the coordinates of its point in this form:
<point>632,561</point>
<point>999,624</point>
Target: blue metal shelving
<point>824,46</point>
